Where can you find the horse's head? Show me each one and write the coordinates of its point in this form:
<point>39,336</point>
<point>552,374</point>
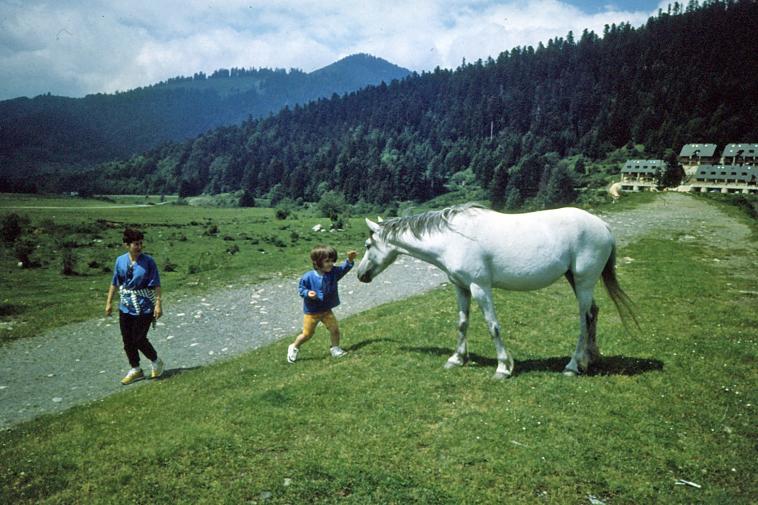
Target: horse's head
<point>379,254</point>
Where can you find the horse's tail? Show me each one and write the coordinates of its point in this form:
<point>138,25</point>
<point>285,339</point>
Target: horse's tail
<point>621,300</point>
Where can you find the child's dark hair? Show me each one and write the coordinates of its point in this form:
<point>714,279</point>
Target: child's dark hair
<point>132,235</point>
<point>320,253</point>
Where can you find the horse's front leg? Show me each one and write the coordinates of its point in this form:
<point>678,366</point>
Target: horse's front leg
<point>460,356</point>
<point>483,297</point>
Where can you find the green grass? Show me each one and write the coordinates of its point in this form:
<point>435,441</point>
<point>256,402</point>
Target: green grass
<point>207,248</point>
<point>387,424</point>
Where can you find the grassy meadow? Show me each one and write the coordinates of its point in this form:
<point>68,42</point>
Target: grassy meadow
<point>668,416</point>
<point>197,249</point>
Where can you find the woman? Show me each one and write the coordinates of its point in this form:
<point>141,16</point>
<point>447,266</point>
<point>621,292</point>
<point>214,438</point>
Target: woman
<point>136,278</point>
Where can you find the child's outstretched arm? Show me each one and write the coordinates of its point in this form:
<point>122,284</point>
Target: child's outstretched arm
<point>346,265</point>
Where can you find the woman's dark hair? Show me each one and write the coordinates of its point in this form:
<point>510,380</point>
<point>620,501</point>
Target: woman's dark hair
<point>132,235</point>
<point>321,253</point>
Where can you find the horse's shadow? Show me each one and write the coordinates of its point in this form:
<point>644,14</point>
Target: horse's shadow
<point>607,365</point>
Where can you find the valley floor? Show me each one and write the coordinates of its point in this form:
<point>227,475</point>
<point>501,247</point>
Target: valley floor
<point>83,362</point>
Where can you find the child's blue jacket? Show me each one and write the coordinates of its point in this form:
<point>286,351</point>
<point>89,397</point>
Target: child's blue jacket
<point>325,286</point>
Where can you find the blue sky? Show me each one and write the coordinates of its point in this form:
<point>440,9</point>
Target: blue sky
<point>77,47</point>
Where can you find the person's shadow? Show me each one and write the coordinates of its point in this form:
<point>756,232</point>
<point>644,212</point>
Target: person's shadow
<point>171,372</point>
<point>607,365</point>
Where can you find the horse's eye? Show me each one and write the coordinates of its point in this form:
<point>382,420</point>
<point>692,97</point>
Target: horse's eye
<point>368,246</point>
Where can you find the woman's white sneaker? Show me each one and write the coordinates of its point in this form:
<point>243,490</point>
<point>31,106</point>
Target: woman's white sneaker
<point>157,368</point>
<point>134,375</point>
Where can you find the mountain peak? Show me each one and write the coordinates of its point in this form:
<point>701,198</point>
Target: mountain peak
<point>361,67</point>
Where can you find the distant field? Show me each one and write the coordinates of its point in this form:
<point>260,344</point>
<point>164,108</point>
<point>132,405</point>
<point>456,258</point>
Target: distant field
<point>197,249</point>
<point>667,417</point>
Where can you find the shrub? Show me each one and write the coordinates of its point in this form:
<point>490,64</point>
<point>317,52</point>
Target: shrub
<point>282,213</point>
<point>275,241</point>
<point>68,261</point>
<point>332,204</point>
<point>23,251</point>
<point>247,199</point>
<point>12,227</point>
<point>233,249</point>
<point>339,223</point>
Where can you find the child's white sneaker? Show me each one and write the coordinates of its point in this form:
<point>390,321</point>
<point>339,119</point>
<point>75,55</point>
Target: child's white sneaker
<point>337,351</point>
<point>292,353</point>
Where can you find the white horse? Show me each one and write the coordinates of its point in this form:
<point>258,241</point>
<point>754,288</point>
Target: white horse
<point>480,249</point>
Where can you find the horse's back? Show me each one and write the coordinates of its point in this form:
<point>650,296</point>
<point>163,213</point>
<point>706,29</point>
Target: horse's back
<point>563,224</point>
<point>532,250</point>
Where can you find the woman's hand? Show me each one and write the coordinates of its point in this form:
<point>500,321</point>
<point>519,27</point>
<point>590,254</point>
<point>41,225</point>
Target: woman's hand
<point>351,256</point>
<point>311,294</point>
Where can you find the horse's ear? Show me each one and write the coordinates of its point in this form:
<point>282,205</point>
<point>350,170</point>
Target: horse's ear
<point>374,227</point>
<point>379,219</point>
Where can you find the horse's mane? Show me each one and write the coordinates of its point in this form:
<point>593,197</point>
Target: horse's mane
<point>427,222</point>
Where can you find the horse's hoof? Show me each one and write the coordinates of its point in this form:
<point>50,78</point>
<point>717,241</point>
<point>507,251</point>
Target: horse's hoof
<point>570,373</point>
<point>453,363</point>
<point>499,376</point>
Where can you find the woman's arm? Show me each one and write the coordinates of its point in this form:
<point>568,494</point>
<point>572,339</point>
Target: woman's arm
<point>157,312</point>
<point>109,301</point>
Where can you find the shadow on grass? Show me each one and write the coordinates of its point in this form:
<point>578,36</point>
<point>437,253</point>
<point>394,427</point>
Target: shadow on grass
<point>172,372</point>
<point>608,365</point>
<point>370,341</point>
<point>349,349</point>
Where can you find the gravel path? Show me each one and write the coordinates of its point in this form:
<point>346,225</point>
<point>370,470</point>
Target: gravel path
<point>83,362</point>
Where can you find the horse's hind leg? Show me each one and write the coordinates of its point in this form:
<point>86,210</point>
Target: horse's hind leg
<point>460,355</point>
<point>592,347</point>
<point>483,297</point>
<point>586,346</point>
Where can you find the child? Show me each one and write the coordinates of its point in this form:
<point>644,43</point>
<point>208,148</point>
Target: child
<point>319,291</point>
<point>136,278</point>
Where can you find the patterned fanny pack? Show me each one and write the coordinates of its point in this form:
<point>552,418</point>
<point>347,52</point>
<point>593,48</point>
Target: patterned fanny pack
<point>129,297</point>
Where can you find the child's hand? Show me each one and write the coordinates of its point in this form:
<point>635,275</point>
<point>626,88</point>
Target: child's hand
<point>351,256</point>
<point>311,294</point>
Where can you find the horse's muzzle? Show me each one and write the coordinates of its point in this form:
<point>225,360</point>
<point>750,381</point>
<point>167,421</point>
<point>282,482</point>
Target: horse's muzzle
<point>365,277</point>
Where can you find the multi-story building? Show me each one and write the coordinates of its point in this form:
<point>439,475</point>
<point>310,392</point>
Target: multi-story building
<point>740,154</point>
<point>725,179</point>
<point>641,175</point>
<point>693,155</point>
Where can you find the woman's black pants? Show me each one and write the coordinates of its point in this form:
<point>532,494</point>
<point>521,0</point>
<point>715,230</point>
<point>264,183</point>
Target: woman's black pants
<point>134,332</point>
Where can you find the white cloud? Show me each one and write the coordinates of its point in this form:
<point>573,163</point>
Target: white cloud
<point>78,47</point>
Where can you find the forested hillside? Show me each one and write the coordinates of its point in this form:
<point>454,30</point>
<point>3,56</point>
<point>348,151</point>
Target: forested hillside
<point>53,133</point>
<point>507,124</point>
